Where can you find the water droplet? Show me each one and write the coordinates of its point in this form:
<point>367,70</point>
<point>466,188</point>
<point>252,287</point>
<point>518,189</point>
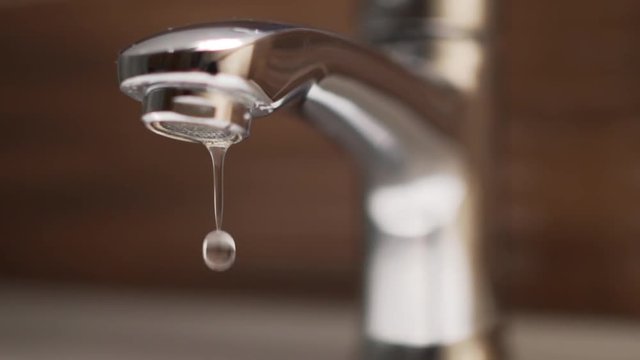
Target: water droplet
<point>219,250</point>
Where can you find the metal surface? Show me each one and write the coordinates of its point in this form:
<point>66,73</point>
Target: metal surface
<point>425,282</point>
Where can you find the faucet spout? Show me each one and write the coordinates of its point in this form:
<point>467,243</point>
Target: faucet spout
<point>425,286</point>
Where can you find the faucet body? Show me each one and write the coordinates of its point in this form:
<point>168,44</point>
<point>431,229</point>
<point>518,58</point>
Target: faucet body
<point>426,295</point>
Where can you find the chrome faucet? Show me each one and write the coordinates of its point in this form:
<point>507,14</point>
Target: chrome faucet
<point>426,293</point>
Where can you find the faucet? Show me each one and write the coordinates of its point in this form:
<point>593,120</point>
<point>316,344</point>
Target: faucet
<point>413,133</point>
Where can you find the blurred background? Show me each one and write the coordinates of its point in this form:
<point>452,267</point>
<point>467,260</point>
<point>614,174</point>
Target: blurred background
<point>92,200</point>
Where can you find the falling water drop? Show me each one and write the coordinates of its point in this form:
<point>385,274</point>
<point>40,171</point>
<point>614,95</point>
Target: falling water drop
<point>219,250</point>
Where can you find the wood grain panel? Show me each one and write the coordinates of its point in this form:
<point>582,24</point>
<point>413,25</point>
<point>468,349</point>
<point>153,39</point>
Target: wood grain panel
<point>571,154</point>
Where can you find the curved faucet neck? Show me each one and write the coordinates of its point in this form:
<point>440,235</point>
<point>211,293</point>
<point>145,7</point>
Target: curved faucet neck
<point>425,281</point>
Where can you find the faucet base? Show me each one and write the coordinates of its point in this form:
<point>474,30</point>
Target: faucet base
<point>485,346</point>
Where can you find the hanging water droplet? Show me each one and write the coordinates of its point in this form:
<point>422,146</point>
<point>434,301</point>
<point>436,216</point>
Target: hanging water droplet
<point>219,250</point>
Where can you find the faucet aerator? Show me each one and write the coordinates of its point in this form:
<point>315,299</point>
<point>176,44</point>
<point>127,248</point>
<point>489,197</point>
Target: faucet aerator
<point>196,115</point>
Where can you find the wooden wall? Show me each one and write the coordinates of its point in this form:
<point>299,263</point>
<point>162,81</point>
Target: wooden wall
<point>571,154</point>
<point>89,195</point>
